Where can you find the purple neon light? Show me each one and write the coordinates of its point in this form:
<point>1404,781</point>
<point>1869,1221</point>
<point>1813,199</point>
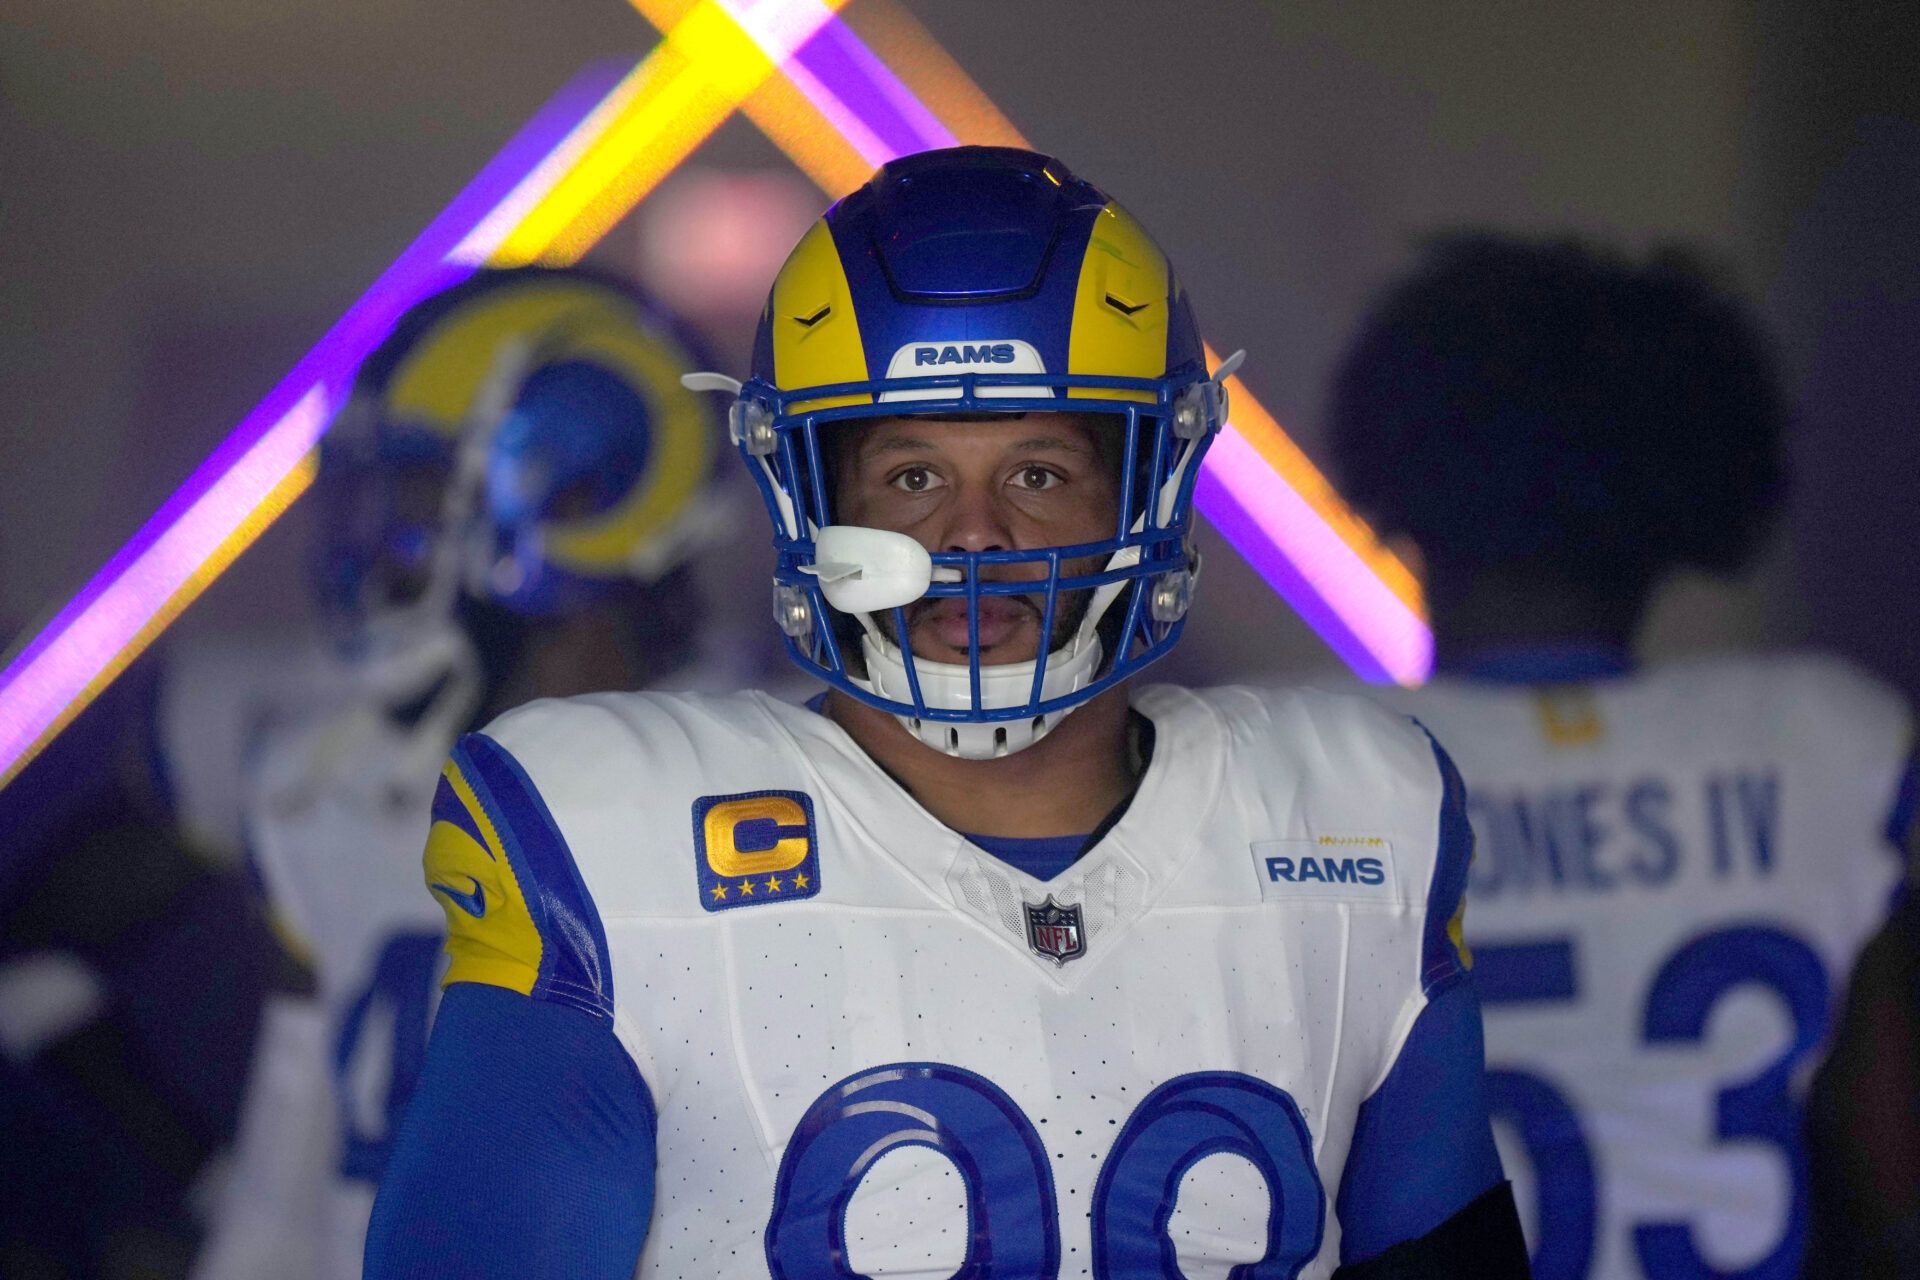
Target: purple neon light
<point>47,678</point>
<point>1318,575</point>
<point>884,106</point>
<point>1310,565</point>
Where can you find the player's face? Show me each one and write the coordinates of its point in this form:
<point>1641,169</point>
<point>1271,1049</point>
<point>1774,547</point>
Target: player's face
<point>987,484</point>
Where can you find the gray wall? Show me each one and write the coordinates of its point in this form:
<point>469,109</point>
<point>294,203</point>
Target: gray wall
<point>192,191</point>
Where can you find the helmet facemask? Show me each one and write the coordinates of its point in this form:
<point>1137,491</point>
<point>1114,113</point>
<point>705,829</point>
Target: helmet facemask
<point>845,595</point>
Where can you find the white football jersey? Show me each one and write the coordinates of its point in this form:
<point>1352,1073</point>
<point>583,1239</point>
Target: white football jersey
<point>337,808</point>
<point>867,1039</point>
<point>335,805</point>
<point>1674,870</point>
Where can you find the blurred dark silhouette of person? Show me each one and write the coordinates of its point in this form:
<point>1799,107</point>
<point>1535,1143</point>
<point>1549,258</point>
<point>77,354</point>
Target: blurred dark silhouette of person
<point>1676,864</point>
<point>512,503</point>
<point>1863,1118</point>
<point>132,972</point>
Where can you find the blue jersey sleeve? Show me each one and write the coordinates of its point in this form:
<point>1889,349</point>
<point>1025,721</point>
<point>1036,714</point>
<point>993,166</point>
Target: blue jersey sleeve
<point>527,1151</point>
<point>1423,1144</point>
<point>519,915</point>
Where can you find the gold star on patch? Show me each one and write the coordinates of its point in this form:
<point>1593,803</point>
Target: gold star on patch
<point>773,884</point>
<point>799,879</point>
<point>719,892</point>
<point>746,888</point>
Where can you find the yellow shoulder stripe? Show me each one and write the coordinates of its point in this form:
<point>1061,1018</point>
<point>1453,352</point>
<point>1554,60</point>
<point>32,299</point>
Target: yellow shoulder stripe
<point>491,936</point>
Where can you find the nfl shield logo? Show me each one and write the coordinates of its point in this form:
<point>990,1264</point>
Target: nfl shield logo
<point>1054,931</point>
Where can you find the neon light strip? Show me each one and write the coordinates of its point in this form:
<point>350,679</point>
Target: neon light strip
<point>1296,532</point>
<point>1273,505</point>
<point>707,66</point>
<point>567,177</point>
<point>866,103</point>
<point>1315,571</point>
<point>166,563</point>
<point>573,171</point>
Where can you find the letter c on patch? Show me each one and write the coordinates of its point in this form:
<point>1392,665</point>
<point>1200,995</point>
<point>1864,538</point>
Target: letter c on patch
<point>774,831</point>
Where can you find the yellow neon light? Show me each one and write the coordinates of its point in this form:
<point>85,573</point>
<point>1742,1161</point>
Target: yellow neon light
<point>704,71</point>
<point>782,112</point>
<point>911,52</point>
<point>271,507</point>
<point>794,125</point>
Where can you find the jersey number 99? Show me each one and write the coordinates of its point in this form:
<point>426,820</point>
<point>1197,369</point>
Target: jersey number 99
<point>1013,1213</point>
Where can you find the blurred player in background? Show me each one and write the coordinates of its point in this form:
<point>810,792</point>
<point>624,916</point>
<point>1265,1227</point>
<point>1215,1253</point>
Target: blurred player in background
<point>1863,1118</point>
<point>1675,864</point>
<point>508,507</point>
<point>132,970</point>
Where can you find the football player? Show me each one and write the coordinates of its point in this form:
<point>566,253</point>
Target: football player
<point>987,962</point>
<point>1676,863</point>
<point>508,504</point>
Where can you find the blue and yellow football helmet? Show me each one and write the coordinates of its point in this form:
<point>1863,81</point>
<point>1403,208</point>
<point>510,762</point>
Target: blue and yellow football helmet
<point>523,440</point>
<point>965,281</point>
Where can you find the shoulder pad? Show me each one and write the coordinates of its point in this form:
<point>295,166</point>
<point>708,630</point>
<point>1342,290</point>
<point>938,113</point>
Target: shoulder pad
<point>1365,767</point>
<point>518,914</point>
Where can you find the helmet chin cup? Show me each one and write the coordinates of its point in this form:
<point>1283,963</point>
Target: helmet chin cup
<point>949,685</point>
<point>872,570</point>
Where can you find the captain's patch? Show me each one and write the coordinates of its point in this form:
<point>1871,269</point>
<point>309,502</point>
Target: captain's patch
<point>1343,868</point>
<point>755,848</point>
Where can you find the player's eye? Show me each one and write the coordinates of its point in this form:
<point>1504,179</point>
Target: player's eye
<point>1035,478</point>
<point>915,480</point>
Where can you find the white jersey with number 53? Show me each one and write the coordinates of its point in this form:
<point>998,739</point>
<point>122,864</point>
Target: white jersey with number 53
<point>1674,870</point>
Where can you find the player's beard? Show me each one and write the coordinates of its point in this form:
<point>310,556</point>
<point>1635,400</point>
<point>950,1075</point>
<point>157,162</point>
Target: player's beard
<point>1070,610</point>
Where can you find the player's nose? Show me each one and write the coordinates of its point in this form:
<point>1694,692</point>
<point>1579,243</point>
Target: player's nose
<point>974,520</point>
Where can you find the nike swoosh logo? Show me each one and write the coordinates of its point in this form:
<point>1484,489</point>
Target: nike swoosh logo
<point>807,322</point>
<point>474,904</point>
<point>1123,308</point>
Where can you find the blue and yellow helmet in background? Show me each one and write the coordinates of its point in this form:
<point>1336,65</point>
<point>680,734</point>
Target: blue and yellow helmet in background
<point>522,440</point>
<point>961,281</point>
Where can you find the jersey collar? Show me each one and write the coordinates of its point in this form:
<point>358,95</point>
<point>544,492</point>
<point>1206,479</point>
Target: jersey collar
<point>1145,850</point>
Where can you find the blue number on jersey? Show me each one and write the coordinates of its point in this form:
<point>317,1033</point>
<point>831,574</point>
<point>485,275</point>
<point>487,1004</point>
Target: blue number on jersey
<point>1683,994</point>
<point>402,981</point>
<point>1175,1127</point>
<point>1011,1224</point>
<point>1679,1001</point>
<point>1011,1205</point>
<point>1533,973</point>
